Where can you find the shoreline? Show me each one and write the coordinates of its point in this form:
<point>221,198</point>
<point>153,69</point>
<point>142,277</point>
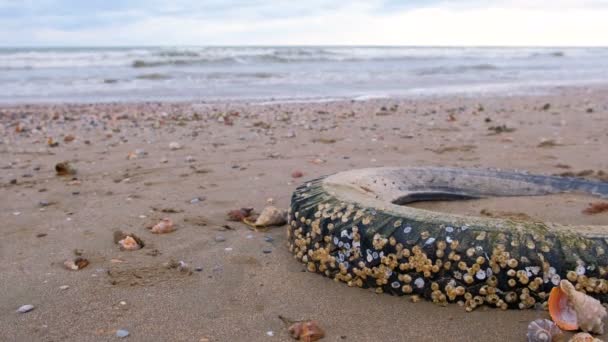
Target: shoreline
<point>233,155</point>
<point>416,94</point>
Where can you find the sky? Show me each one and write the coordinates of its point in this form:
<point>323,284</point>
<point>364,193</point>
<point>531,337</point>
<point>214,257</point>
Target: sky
<point>309,22</point>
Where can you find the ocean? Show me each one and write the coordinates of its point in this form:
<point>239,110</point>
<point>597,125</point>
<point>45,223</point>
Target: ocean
<point>33,75</point>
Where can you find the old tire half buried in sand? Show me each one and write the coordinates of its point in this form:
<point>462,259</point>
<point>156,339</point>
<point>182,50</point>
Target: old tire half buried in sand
<point>352,227</point>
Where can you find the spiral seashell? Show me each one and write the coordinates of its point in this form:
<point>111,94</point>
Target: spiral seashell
<point>271,216</point>
<point>571,309</point>
<point>583,337</point>
<point>543,330</point>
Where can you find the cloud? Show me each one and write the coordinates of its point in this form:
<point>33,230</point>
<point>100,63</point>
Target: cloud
<point>313,22</point>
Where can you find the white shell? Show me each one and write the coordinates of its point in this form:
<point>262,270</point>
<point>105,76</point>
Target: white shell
<point>542,330</point>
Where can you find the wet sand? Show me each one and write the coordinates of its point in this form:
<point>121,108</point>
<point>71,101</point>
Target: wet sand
<point>242,155</point>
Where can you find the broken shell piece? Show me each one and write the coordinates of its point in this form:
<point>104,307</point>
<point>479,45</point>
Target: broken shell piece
<point>76,264</point>
<point>128,242</point>
<point>584,337</point>
<point>571,309</point>
<point>64,169</point>
<point>164,226</point>
<point>308,331</point>
<point>543,330</point>
<point>239,215</point>
<point>271,216</point>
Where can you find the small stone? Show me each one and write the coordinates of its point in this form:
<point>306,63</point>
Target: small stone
<point>44,203</point>
<point>64,287</point>
<point>25,308</point>
<point>174,146</point>
<point>122,333</point>
<point>297,174</point>
<point>268,238</point>
<point>267,250</point>
<point>199,269</point>
<point>270,333</point>
<point>220,238</point>
<point>190,159</point>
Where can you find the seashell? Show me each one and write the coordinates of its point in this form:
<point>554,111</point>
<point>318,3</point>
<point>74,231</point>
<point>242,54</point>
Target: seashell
<point>64,169</point>
<point>543,330</point>
<point>271,216</point>
<point>308,331</point>
<point>128,242</point>
<point>571,309</point>
<point>76,264</point>
<point>583,337</point>
<point>164,226</point>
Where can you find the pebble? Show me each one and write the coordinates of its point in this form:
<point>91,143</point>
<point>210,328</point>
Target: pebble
<point>64,287</point>
<point>197,200</point>
<point>122,333</point>
<point>268,238</point>
<point>199,269</point>
<point>174,145</point>
<point>44,203</point>
<point>190,159</point>
<point>270,333</point>
<point>267,250</point>
<point>25,308</point>
<point>220,238</point>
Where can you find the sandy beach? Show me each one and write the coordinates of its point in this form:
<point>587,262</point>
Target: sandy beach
<point>239,154</point>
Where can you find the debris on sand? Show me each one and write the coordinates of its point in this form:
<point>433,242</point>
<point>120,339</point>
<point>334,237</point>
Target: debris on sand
<point>52,143</point>
<point>238,215</point>
<point>174,146</point>
<point>76,264</point>
<point>122,333</point>
<point>297,174</point>
<point>596,208</point>
<point>501,129</point>
<point>128,241</point>
<point>181,266</point>
<point>25,308</point>
<point>64,169</point>
<point>547,143</point>
<point>307,331</point>
<point>164,226</point>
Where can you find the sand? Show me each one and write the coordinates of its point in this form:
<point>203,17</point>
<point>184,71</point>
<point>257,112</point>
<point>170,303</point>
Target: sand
<point>236,155</point>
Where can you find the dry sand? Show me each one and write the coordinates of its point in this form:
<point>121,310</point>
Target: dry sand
<point>238,155</point>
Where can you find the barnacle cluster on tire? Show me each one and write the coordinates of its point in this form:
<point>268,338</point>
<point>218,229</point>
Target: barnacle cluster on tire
<point>351,227</point>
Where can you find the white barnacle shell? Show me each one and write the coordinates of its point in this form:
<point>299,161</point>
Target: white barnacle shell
<point>419,282</point>
<point>580,270</point>
<point>407,229</point>
<point>542,330</point>
<point>395,285</point>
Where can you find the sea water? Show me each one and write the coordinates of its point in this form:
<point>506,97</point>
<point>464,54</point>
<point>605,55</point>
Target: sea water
<point>29,75</point>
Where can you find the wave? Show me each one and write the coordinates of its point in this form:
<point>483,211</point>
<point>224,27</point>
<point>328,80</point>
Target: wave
<point>458,69</point>
<point>149,57</point>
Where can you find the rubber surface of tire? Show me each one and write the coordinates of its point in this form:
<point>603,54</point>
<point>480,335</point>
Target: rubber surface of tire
<point>352,226</point>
